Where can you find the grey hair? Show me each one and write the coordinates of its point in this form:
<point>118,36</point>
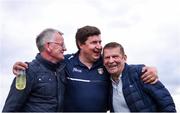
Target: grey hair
<point>45,36</point>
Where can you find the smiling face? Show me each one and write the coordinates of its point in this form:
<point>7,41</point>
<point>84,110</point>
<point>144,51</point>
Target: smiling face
<point>90,51</point>
<point>55,48</point>
<point>114,60</point>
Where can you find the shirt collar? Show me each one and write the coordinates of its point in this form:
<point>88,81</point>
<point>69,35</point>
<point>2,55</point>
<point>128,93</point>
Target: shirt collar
<point>46,63</point>
<point>78,62</point>
<point>116,82</point>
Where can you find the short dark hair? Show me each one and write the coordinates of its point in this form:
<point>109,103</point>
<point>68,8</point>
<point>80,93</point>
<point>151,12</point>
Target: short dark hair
<point>114,45</point>
<point>83,33</point>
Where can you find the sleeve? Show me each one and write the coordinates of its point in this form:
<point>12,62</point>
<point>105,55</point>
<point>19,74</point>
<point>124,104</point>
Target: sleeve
<point>161,96</point>
<point>157,92</point>
<point>17,98</point>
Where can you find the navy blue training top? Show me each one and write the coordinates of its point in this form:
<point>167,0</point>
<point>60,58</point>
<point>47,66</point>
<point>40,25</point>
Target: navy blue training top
<point>87,90</point>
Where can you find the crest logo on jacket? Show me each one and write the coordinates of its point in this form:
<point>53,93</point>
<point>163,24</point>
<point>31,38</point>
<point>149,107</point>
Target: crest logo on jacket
<point>100,71</point>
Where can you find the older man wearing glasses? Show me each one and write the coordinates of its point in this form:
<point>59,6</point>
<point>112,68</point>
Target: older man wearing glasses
<point>44,91</point>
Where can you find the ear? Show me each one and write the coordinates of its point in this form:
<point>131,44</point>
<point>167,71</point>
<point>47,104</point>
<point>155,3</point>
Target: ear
<point>125,57</point>
<point>47,47</point>
<point>80,45</point>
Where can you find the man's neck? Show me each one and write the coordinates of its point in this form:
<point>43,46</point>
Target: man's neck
<point>115,77</point>
<point>48,58</point>
<point>85,61</point>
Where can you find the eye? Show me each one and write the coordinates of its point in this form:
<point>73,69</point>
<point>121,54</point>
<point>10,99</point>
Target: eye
<point>107,57</point>
<point>115,57</point>
<point>94,42</point>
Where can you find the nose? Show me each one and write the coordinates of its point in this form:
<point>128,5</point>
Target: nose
<point>111,60</point>
<point>64,49</point>
<point>98,46</point>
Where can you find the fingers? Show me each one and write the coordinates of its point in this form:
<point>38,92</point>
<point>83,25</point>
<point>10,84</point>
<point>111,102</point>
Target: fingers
<point>150,75</point>
<point>144,69</point>
<point>149,79</point>
<point>15,72</point>
<point>156,80</point>
<point>143,77</point>
<point>19,66</point>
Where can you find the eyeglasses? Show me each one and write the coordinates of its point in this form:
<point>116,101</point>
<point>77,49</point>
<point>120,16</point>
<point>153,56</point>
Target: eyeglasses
<point>60,44</point>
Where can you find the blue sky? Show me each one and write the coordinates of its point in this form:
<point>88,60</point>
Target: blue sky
<point>148,30</point>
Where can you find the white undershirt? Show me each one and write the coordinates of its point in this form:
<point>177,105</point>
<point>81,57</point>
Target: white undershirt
<point>119,103</point>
